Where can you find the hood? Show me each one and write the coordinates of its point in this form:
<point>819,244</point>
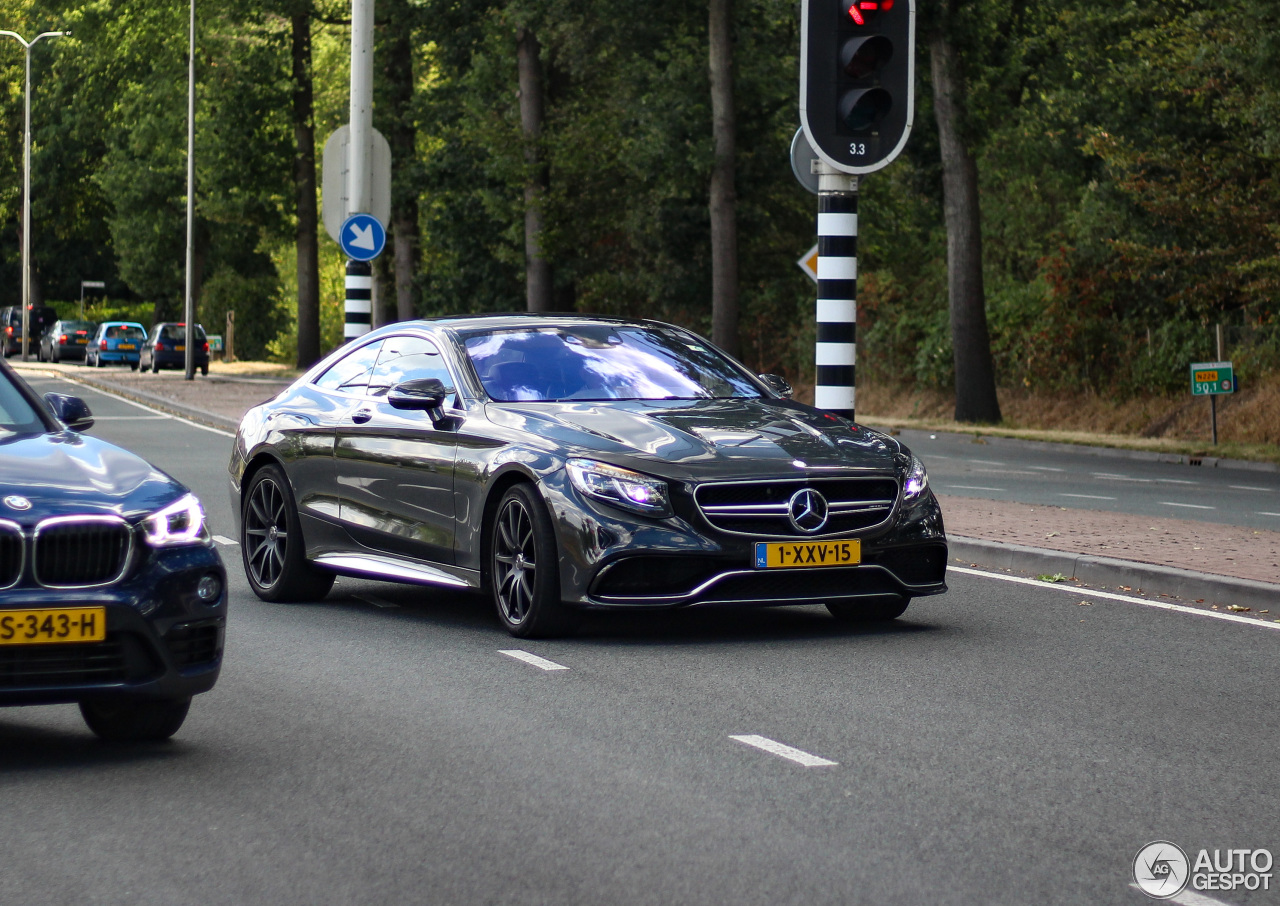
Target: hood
<point>709,438</point>
<point>67,473</point>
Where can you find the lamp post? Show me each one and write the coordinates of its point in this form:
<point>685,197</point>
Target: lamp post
<point>26,183</point>
<point>189,309</point>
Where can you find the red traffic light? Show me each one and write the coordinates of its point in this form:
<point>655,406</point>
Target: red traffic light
<point>858,11</point>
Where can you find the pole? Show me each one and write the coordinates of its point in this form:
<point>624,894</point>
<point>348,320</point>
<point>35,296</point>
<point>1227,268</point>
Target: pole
<point>358,318</point>
<point>190,308</point>
<point>837,316</point>
<point>1213,416</point>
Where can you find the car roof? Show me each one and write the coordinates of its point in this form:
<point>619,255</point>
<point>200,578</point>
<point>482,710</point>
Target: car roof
<point>517,320</point>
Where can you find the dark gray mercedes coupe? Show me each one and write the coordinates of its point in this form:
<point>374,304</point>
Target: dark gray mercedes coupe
<point>564,462</point>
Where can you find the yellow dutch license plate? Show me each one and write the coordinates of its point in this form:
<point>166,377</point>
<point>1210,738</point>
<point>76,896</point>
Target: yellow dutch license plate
<point>126,346</point>
<point>83,342</point>
<point>180,348</point>
<point>810,554</point>
<point>53,626</point>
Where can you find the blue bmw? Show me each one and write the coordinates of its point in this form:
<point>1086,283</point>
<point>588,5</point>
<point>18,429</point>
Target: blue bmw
<point>112,595</point>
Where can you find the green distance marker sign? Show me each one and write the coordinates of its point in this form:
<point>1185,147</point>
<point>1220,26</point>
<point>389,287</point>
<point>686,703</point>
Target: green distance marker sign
<point>1212,378</point>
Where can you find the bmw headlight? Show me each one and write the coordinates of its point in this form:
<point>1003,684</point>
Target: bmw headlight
<point>916,481</point>
<point>181,522</point>
<point>620,487</point>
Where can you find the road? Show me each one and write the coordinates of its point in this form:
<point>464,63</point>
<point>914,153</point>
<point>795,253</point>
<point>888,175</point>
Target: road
<point>1016,471</point>
<point>999,744</point>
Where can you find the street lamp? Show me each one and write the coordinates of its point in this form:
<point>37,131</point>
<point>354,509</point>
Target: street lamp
<point>26,184</point>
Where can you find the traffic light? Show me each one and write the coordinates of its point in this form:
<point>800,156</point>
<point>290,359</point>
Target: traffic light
<point>857,80</point>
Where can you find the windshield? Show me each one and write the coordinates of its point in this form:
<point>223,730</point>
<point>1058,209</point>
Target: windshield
<point>125,332</point>
<point>602,362</point>
<point>16,414</point>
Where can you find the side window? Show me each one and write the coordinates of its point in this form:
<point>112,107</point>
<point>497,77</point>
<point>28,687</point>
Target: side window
<point>350,374</point>
<point>408,359</point>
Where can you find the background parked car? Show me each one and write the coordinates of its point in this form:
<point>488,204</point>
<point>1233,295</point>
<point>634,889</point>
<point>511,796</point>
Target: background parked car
<point>166,347</point>
<point>11,323</point>
<point>65,340</point>
<point>116,342</point>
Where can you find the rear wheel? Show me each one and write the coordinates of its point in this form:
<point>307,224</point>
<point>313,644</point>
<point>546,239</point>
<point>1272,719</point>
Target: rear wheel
<point>876,610</point>
<point>155,366</point>
<point>271,542</point>
<point>135,721</point>
<point>133,366</point>
<point>524,569</point>
<point>204,370</point>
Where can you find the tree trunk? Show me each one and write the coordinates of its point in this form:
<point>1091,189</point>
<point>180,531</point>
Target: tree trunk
<point>976,399</point>
<point>723,206</point>
<point>539,287</point>
<point>403,138</point>
<point>304,181</point>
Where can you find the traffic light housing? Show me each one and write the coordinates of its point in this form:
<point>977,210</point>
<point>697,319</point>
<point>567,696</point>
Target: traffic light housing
<point>857,80</point>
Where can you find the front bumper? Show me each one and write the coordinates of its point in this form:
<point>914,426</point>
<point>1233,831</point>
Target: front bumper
<point>611,560</point>
<point>162,640</point>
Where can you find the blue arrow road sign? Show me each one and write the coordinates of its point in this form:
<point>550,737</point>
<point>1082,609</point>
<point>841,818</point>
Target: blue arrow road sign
<point>363,237</point>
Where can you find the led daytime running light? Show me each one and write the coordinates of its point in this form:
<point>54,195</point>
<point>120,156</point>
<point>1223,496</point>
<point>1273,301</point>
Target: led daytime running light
<point>181,522</point>
<point>917,480</point>
<point>620,487</point>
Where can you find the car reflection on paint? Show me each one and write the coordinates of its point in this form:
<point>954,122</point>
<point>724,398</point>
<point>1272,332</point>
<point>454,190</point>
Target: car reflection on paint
<point>562,463</point>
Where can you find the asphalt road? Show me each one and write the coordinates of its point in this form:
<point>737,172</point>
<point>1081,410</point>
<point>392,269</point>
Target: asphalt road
<point>1020,472</point>
<point>999,744</point>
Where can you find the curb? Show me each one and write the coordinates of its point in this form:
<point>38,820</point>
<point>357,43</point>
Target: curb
<point>1109,572</point>
<point>1210,462</point>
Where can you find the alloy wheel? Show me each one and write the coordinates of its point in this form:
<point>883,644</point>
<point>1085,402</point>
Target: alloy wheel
<point>515,556</point>
<point>266,532</point>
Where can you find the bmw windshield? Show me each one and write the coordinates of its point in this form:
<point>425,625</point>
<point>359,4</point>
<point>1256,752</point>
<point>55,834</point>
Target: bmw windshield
<point>602,362</point>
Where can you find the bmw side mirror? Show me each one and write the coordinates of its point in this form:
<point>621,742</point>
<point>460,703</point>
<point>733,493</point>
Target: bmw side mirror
<point>778,384</point>
<point>70,410</point>
<point>426,394</point>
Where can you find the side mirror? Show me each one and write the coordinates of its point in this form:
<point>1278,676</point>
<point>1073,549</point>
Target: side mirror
<point>70,410</point>
<point>778,384</point>
<point>425,394</point>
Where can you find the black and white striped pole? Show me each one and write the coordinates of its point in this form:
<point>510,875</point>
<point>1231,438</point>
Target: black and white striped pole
<point>358,319</point>
<point>836,354</point>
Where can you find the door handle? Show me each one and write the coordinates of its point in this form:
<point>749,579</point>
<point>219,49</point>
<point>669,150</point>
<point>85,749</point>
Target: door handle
<point>362,416</point>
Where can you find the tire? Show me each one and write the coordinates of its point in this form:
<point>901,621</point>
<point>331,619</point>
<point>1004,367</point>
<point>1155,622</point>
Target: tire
<point>144,720</point>
<point>133,366</point>
<point>876,610</point>
<point>204,370</point>
<point>97,362</point>
<point>40,353</point>
<point>524,567</point>
<point>55,357</point>
<point>271,544</point>
<point>155,366</point>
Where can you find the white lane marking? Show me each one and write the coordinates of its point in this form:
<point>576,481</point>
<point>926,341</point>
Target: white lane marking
<point>1104,477</point>
<point>970,487</point>
<point>146,408</point>
<point>1245,487</point>
<point>1175,481</point>
<point>132,418</point>
<point>533,659</point>
<point>999,472</point>
<point>377,602</point>
<point>766,744</point>
<point>1189,506</point>
<point>223,539</point>
<point>1046,469</point>
<point>1087,496</point>
<point>1079,590</point>
<point>984,462</point>
<point>1189,898</point>
<point>1269,514</point>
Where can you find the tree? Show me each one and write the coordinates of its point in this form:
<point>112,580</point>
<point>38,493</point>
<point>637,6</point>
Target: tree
<point>724,217</point>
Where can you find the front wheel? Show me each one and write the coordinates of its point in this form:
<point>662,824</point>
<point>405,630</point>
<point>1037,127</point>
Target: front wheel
<point>524,568</point>
<point>135,721</point>
<point>876,610</point>
<point>271,544</point>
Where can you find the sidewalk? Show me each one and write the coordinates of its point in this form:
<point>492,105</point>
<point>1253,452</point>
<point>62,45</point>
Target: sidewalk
<point>1201,564</point>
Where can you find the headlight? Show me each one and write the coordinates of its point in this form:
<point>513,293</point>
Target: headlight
<point>917,480</point>
<point>620,487</point>
<point>181,522</point>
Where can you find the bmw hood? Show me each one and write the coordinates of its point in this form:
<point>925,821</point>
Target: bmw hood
<point>720,438</point>
<point>67,473</point>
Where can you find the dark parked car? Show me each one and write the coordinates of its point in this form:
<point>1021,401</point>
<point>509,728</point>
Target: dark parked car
<point>116,342</point>
<point>39,318</point>
<point>166,347</point>
<point>111,593</point>
<point>564,462</point>
<point>65,340</point>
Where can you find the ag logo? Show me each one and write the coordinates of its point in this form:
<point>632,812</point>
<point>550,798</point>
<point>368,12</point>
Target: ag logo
<point>1161,869</point>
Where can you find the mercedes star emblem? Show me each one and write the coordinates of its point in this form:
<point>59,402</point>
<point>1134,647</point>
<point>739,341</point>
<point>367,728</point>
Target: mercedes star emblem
<point>807,510</point>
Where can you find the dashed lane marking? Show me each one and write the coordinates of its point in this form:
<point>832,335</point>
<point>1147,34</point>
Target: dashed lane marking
<point>1245,487</point>
<point>1175,481</point>
<point>984,462</point>
<point>970,487</point>
<point>132,418</point>
<point>1046,469</point>
<point>223,539</point>
<point>1087,496</point>
<point>540,662</point>
<point>1188,506</point>
<point>1112,596</point>
<point>1269,514</point>
<point>774,747</point>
